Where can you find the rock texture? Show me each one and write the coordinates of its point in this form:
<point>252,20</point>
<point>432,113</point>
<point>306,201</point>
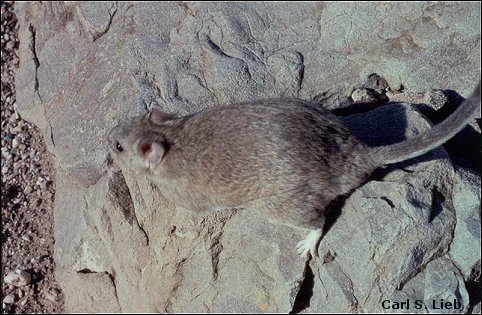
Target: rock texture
<point>27,196</point>
<point>412,232</point>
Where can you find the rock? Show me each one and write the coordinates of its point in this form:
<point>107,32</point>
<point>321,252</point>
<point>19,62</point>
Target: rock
<point>17,128</point>
<point>97,288</point>
<point>445,284</point>
<point>466,241</point>
<point>120,245</point>
<point>477,308</point>
<point>18,278</point>
<point>9,299</point>
<point>28,189</point>
<point>362,95</point>
<point>435,99</point>
<point>389,214</point>
<point>15,143</point>
<point>52,294</point>
<point>7,307</point>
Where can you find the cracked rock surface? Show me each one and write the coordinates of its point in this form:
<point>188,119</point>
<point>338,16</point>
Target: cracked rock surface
<point>409,233</point>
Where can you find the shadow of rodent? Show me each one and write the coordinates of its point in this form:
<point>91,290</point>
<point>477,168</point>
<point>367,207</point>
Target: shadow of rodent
<point>377,124</point>
<point>465,149</point>
<point>384,124</point>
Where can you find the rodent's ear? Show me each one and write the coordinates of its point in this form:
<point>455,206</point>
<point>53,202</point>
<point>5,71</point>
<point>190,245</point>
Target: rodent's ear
<point>151,151</point>
<point>157,116</point>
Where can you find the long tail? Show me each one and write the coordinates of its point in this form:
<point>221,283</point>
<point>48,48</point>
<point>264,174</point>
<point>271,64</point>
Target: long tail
<point>434,137</point>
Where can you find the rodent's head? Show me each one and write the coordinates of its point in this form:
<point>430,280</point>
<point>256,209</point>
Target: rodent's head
<point>140,144</point>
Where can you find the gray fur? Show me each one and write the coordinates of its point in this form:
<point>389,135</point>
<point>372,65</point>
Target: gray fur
<point>286,158</point>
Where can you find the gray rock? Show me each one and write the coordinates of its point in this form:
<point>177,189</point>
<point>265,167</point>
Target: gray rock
<point>122,247</point>
<point>445,291</point>
<point>9,299</point>
<point>466,241</point>
<point>399,227</point>
<point>96,288</point>
<point>18,278</point>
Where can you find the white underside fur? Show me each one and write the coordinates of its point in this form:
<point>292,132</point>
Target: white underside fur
<point>309,246</point>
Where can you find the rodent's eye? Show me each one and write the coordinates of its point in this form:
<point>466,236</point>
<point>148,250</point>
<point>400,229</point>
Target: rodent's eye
<point>119,147</point>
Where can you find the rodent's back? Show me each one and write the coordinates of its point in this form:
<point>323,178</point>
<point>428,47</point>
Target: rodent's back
<point>241,153</point>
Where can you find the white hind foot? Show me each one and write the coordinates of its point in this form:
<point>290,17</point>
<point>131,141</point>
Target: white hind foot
<point>309,246</point>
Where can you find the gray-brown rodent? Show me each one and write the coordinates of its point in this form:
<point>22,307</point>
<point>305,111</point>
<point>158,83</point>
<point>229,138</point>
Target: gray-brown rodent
<point>286,158</point>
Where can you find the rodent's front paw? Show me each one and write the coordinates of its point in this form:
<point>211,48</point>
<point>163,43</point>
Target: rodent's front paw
<point>304,249</point>
<point>309,246</point>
